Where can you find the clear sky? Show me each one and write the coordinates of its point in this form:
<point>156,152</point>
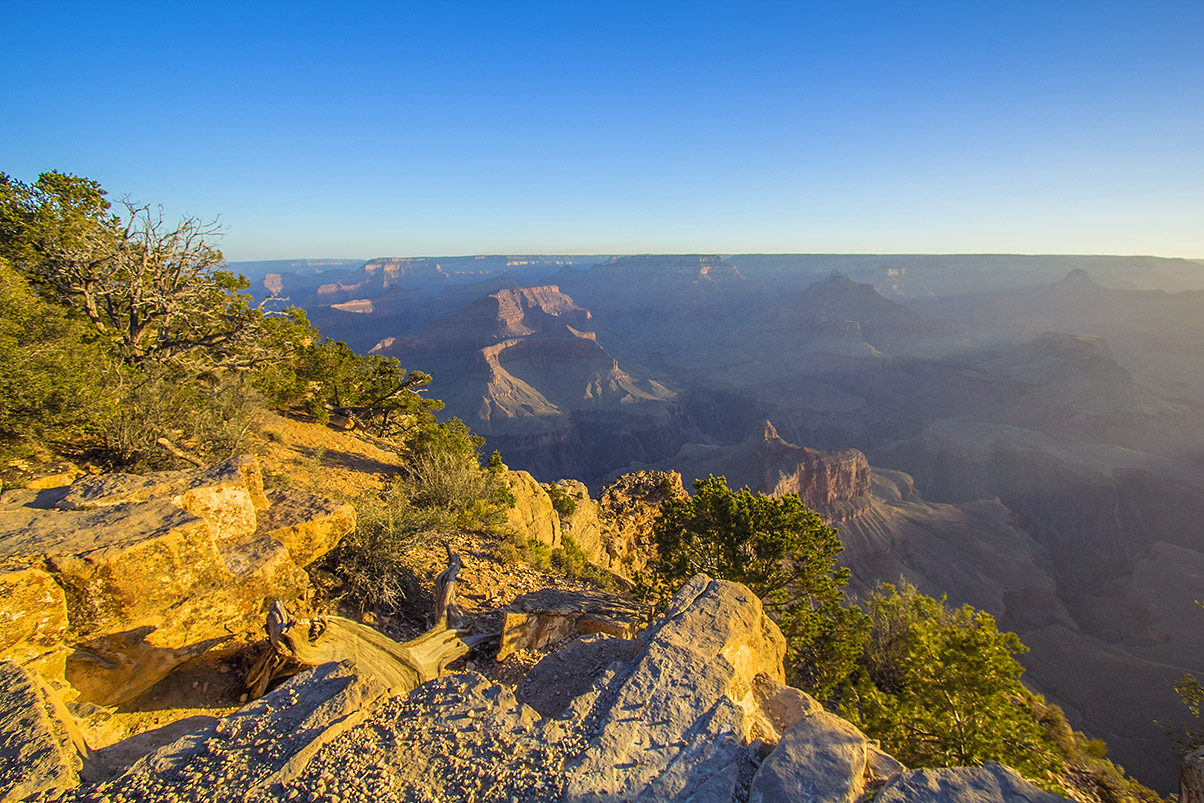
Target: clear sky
<point>361,129</point>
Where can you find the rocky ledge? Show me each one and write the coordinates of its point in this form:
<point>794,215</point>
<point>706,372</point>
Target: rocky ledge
<point>693,709</point>
<point>109,584</point>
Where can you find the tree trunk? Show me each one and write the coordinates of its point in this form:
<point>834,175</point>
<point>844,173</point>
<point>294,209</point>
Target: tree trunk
<point>299,643</point>
<point>446,612</point>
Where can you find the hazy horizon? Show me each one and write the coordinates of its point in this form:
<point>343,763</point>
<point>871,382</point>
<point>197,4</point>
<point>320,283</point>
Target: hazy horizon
<point>579,253</point>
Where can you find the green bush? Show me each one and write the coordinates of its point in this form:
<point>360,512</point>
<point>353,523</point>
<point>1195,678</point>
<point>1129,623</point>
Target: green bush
<point>941,687</point>
<point>562,502</point>
<point>507,553</point>
<point>570,560</point>
<point>567,559</point>
<point>453,481</point>
<point>52,370</point>
<point>779,549</point>
<point>512,549</point>
<point>374,561</point>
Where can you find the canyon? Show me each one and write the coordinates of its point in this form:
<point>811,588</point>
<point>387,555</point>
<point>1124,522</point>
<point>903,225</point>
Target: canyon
<point>1028,431</point>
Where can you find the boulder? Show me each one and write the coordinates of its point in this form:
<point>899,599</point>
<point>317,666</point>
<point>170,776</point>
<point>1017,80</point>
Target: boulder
<point>564,675</point>
<point>126,566</point>
<point>820,758</point>
<point>532,514</point>
<point>118,664</point>
<point>990,783</point>
<point>676,723</point>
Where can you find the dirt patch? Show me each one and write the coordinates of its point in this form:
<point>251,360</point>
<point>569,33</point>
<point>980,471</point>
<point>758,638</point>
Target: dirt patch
<point>322,459</point>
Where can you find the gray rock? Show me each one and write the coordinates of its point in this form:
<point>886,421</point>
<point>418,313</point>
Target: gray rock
<point>1191,778</point>
<point>990,783</point>
<point>41,750</point>
<point>566,674</point>
<point>263,745</point>
<point>822,759</point>
<point>673,725</point>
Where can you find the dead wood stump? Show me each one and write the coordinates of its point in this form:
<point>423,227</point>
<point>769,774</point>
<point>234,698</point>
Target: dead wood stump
<point>298,644</point>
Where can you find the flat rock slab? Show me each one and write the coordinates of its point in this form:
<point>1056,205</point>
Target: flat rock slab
<point>990,783</point>
<point>226,495</point>
<point>27,531</point>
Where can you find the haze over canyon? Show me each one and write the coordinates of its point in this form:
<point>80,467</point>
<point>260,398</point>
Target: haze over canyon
<point>1025,434</point>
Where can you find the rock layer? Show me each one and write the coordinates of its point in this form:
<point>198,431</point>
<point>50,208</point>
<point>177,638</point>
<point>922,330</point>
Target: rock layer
<point>125,577</point>
<point>694,710</point>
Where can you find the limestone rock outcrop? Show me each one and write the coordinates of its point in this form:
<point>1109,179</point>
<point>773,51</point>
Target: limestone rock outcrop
<point>532,514</point>
<point>112,582</point>
<point>692,710</point>
<point>835,483</point>
<point>615,532</point>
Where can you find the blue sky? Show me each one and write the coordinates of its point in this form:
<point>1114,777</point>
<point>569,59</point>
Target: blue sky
<point>360,129</point>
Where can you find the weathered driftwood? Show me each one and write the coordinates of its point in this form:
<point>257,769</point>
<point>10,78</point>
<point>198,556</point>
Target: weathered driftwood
<point>179,452</point>
<point>446,612</point>
<point>542,617</point>
<point>300,643</point>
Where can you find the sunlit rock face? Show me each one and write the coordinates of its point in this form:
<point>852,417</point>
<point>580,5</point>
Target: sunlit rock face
<point>121,578</point>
